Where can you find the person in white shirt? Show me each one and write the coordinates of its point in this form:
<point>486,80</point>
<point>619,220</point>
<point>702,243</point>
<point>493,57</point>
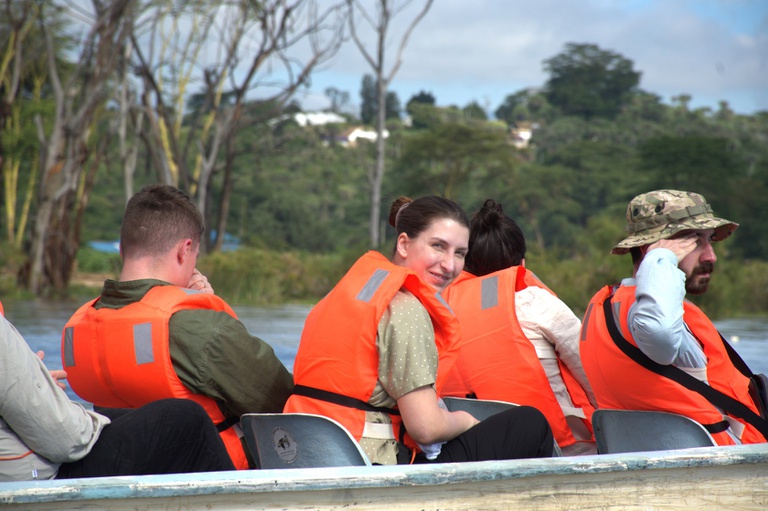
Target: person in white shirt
<point>523,345</point>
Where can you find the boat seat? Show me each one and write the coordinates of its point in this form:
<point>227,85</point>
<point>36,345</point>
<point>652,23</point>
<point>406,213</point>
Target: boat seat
<point>634,431</point>
<point>299,440</point>
<point>481,409</point>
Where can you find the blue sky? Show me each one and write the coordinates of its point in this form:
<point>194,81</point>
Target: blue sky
<point>712,50</point>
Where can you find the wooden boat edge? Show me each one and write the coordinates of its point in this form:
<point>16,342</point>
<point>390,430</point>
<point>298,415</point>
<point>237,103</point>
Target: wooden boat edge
<point>317,479</point>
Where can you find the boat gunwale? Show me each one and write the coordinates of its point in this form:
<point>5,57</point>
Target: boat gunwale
<point>313,479</point>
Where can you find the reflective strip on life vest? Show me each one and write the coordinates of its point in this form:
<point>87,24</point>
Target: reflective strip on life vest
<point>142,343</point>
<point>69,352</point>
<point>374,283</point>
<point>489,292</point>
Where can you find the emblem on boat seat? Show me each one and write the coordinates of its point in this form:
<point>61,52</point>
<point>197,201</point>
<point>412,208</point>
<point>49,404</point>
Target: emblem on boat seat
<point>284,445</point>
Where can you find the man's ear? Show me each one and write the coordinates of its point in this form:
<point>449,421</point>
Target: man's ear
<point>183,249</point>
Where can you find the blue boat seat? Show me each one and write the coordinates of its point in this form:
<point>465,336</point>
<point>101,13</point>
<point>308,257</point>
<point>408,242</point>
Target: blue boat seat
<point>481,409</point>
<point>299,440</point>
<point>619,431</point>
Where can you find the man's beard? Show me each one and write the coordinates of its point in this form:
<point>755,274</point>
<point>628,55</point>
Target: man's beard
<point>694,286</point>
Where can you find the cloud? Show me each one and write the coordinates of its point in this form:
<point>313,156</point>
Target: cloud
<point>715,50</point>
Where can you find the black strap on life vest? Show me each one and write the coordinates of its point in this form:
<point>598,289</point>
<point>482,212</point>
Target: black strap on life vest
<point>227,423</point>
<point>724,402</point>
<point>758,383</point>
<point>341,399</point>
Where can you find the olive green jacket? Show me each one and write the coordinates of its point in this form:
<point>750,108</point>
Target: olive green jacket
<point>214,355</point>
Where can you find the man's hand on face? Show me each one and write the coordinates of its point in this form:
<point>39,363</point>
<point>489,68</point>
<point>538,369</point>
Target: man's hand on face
<point>681,246</point>
<point>199,282</point>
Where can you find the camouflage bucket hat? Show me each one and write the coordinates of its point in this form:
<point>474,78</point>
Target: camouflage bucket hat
<point>661,214</point>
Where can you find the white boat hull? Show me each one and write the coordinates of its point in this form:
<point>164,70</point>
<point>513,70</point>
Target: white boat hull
<point>733,478</point>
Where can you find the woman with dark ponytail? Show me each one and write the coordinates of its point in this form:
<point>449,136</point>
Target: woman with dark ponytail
<point>520,343</point>
<point>376,350</point>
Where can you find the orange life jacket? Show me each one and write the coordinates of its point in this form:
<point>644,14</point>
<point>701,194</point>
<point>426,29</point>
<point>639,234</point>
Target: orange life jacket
<point>620,382</point>
<point>120,358</point>
<point>338,353</point>
<point>496,360</point>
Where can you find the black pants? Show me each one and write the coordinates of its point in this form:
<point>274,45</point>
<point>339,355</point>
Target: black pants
<point>520,432</point>
<point>163,437</point>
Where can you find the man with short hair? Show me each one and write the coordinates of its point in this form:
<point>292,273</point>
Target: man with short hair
<point>159,331</point>
<point>644,347</point>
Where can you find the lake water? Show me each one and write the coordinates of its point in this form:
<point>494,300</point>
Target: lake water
<point>41,323</point>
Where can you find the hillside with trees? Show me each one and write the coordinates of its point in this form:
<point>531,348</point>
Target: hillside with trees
<point>564,157</point>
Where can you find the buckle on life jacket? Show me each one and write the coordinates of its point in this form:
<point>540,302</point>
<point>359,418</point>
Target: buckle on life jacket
<point>378,430</point>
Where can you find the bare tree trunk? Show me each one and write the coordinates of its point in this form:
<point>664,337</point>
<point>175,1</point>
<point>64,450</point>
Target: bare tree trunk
<point>265,32</point>
<point>65,149</point>
<point>378,170</point>
<point>226,195</point>
<point>128,148</point>
<point>387,10</point>
<point>209,162</point>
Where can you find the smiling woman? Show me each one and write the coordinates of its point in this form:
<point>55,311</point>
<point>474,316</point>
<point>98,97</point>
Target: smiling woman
<point>432,241</point>
<point>377,371</point>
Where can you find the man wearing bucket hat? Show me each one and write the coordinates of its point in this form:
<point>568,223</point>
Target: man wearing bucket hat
<point>644,347</point>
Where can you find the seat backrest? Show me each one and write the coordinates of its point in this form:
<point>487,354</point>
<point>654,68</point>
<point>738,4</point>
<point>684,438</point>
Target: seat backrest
<point>634,431</point>
<point>481,409</point>
<point>299,440</point>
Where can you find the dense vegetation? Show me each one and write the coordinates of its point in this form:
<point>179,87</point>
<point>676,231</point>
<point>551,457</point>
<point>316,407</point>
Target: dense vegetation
<point>299,202</point>
<point>301,194</point>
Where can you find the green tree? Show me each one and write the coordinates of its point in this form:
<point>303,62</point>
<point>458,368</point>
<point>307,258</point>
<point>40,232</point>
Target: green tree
<point>601,173</point>
<point>473,111</point>
<point>749,208</point>
<point>423,97</point>
<point>339,99</point>
<point>452,158</point>
<point>542,200</point>
<point>512,109</point>
<point>25,99</point>
<point>298,191</point>
<point>589,82</point>
<point>369,105</point>
<point>693,163</point>
<point>393,107</point>
<point>422,110</point>
<point>526,105</point>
